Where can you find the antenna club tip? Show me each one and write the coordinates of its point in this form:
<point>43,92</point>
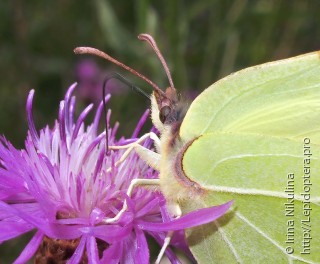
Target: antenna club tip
<point>144,36</point>
<point>79,50</point>
<point>85,50</point>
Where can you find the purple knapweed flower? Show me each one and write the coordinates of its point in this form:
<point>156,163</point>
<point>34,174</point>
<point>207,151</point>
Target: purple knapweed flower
<point>63,186</point>
<point>88,75</point>
<point>90,80</point>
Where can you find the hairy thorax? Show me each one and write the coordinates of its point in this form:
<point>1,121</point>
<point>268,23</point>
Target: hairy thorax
<point>175,184</point>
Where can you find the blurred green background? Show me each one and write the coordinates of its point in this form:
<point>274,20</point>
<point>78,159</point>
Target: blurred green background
<point>202,41</point>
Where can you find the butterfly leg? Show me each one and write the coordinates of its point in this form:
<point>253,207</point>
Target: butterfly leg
<point>150,157</point>
<point>166,242</point>
<point>134,183</point>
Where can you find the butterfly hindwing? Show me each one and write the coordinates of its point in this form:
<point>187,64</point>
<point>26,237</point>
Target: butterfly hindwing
<point>252,131</point>
<point>264,175</point>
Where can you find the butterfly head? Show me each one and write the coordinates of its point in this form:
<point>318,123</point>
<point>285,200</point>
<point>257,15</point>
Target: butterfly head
<point>166,106</point>
<point>167,109</point>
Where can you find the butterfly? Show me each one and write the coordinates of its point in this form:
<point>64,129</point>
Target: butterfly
<point>252,137</point>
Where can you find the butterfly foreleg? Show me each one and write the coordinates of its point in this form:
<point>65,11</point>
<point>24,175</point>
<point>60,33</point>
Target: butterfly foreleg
<point>134,183</point>
<point>152,158</point>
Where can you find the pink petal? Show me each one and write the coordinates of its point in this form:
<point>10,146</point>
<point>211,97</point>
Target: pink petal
<point>195,218</point>
<point>11,229</point>
<point>30,249</point>
<point>92,250</point>
<point>142,251</point>
<point>108,233</point>
<point>113,254</point>
<point>77,255</point>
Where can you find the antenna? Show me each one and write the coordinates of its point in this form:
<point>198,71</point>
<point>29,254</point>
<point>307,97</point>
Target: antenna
<point>105,115</point>
<point>118,76</point>
<point>133,87</point>
<point>93,51</point>
<point>153,44</point>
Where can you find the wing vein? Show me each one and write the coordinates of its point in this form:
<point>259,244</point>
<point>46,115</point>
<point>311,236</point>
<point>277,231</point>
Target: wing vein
<point>253,191</point>
<point>228,242</point>
<point>244,219</point>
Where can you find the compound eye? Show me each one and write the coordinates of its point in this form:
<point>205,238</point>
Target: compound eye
<point>164,113</point>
